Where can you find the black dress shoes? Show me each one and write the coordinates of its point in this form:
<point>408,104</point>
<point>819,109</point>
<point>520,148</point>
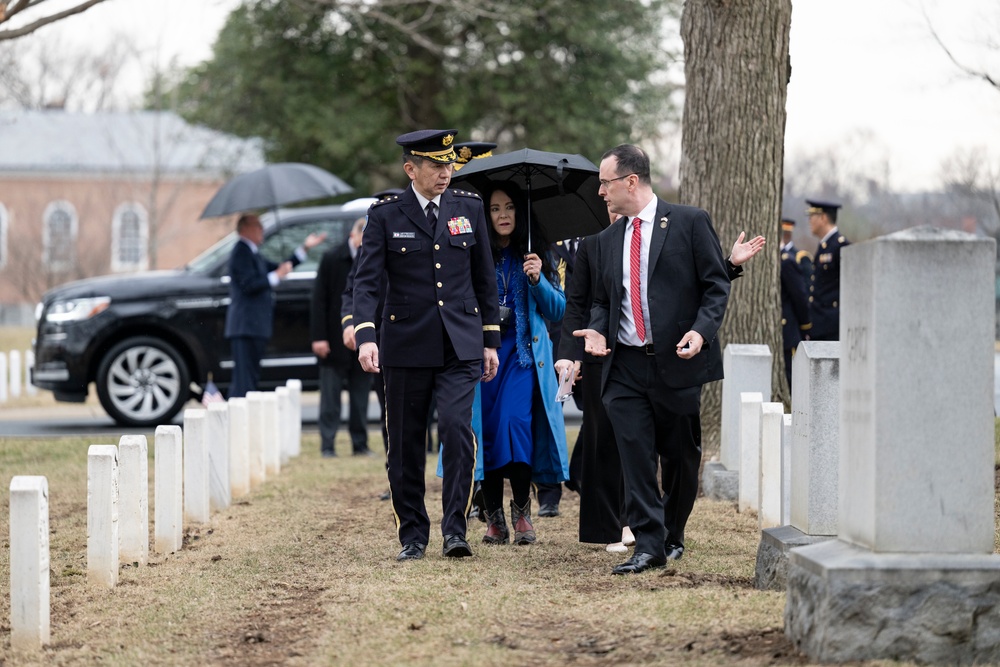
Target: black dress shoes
<point>548,509</point>
<point>455,546</point>
<point>674,550</point>
<point>412,551</point>
<point>639,562</point>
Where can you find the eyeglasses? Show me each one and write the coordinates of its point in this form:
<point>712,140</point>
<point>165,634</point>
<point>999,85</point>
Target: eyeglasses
<point>606,183</point>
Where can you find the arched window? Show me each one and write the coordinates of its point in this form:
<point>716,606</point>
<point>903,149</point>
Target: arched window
<point>59,236</point>
<point>130,238</point>
<point>4,227</point>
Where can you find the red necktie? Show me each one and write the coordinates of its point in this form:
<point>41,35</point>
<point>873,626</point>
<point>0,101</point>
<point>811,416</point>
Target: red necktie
<point>635,281</point>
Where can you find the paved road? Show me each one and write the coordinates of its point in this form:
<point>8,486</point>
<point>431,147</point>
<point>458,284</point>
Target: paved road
<point>66,419</point>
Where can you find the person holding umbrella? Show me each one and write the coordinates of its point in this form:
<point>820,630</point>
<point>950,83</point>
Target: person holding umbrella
<point>249,316</point>
<point>439,332</point>
<point>524,437</point>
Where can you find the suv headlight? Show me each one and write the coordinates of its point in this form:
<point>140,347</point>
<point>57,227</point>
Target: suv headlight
<point>76,310</point>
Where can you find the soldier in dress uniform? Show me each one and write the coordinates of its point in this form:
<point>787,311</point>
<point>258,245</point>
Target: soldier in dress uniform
<point>824,286</point>
<point>468,151</point>
<point>795,324</point>
<point>439,333</point>
<point>803,260</point>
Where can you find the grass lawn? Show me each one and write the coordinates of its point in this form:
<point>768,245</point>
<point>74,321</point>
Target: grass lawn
<point>303,572</point>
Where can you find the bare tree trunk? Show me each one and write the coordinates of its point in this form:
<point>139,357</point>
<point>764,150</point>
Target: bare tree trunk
<point>736,67</point>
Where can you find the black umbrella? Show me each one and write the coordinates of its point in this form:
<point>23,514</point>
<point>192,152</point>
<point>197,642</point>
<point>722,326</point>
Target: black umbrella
<point>273,186</point>
<point>561,188</point>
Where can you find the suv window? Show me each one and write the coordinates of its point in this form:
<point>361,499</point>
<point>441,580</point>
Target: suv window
<point>279,245</point>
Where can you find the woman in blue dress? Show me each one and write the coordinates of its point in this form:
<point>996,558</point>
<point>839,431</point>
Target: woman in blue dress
<point>523,435</point>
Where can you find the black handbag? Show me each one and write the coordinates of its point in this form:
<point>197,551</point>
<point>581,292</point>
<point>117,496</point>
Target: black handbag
<point>506,314</point>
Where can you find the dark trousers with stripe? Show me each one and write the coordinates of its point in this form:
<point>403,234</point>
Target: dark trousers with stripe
<point>247,353</point>
<point>408,394</point>
<point>654,422</point>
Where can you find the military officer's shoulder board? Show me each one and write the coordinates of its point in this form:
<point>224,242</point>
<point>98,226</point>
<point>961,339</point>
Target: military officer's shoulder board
<point>380,202</point>
<point>802,254</point>
<point>466,193</point>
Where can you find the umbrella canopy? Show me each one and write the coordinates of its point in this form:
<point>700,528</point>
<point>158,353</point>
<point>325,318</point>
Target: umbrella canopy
<point>561,188</point>
<point>274,185</point>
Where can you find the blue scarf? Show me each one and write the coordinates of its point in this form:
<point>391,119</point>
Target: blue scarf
<point>517,283</point>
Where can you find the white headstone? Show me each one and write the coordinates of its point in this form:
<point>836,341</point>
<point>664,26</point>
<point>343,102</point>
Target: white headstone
<point>295,392</point>
<point>102,515</point>
<point>747,369</point>
<point>4,383</point>
<point>769,502</point>
<point>272,433</point>
<point>29,562</point>
<point>197,507</point>
<point>168,489</point>
<point>255,412</point>
<point>815,439</point>
<point>916,393</point>
<point>29,364</point>
<point>786,470</point>
<point>133,499</point>
<point>239,448</point>
<point>750,402</point>
<point>217,438</point>
<point>15,373</point>
<point>285,433</point>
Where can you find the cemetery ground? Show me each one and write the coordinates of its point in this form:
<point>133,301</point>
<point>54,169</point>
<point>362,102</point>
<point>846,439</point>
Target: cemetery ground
<point>302,572</point>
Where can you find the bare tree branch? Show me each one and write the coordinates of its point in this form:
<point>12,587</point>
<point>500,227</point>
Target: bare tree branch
<point>976,74</point>
<point>7,11</point>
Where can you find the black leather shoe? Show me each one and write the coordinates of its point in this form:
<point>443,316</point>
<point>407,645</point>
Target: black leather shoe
<point>455,546</point>
<point>639,562</point>
<point>412,551</point>
<point>674,550</point>
<point>548,509</point>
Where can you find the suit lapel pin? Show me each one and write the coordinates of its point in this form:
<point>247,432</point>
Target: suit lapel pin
<point>663,223</point>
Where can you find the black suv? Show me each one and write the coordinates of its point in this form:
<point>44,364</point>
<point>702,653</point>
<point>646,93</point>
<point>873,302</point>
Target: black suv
<point>150,340</point>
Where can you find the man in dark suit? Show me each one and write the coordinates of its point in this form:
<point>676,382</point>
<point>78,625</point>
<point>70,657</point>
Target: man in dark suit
<point>338,365</point>
<point>251,302</point>
<point>824,287</point>
<point>795,323</point>
<point>439,333</point>
<point>659,300</point>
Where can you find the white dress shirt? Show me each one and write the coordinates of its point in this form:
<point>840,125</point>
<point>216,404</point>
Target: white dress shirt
<point>626,325</point>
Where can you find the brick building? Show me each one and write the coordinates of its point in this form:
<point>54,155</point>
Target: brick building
<point>83,195</point>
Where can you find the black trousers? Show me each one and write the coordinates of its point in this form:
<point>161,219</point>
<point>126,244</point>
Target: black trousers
<point>641,405</point>
<point>602,491</point>
<point>247,353</point>
<point>359,384</point>
<point>407,399</point>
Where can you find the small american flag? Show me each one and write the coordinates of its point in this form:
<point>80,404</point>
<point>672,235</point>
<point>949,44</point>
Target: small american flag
<point>211,394</point>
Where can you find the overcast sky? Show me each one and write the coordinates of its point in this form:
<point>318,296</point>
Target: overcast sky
<point>867,76</point>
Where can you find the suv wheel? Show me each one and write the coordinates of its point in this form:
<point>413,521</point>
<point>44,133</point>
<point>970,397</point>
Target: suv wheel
<point>142,381</point>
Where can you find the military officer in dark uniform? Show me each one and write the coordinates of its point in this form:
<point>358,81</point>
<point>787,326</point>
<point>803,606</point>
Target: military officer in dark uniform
<point>824,287</point>
<point>803,260</point>
<point>439,333</point>
<point>795,324</point>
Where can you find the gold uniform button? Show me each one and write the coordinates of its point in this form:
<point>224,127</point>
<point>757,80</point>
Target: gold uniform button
<point>812,288</point>
<point>834,304</point>
<point>783,321</point>
<point>810,299</point>
<point>440,303</point>
<point>477,309</point>
<point>541,364</point>
<point>437,247</point>
<point>463,244</point>
<point>392,318</point>
<point>437,266</point>
<point>440,285</point>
